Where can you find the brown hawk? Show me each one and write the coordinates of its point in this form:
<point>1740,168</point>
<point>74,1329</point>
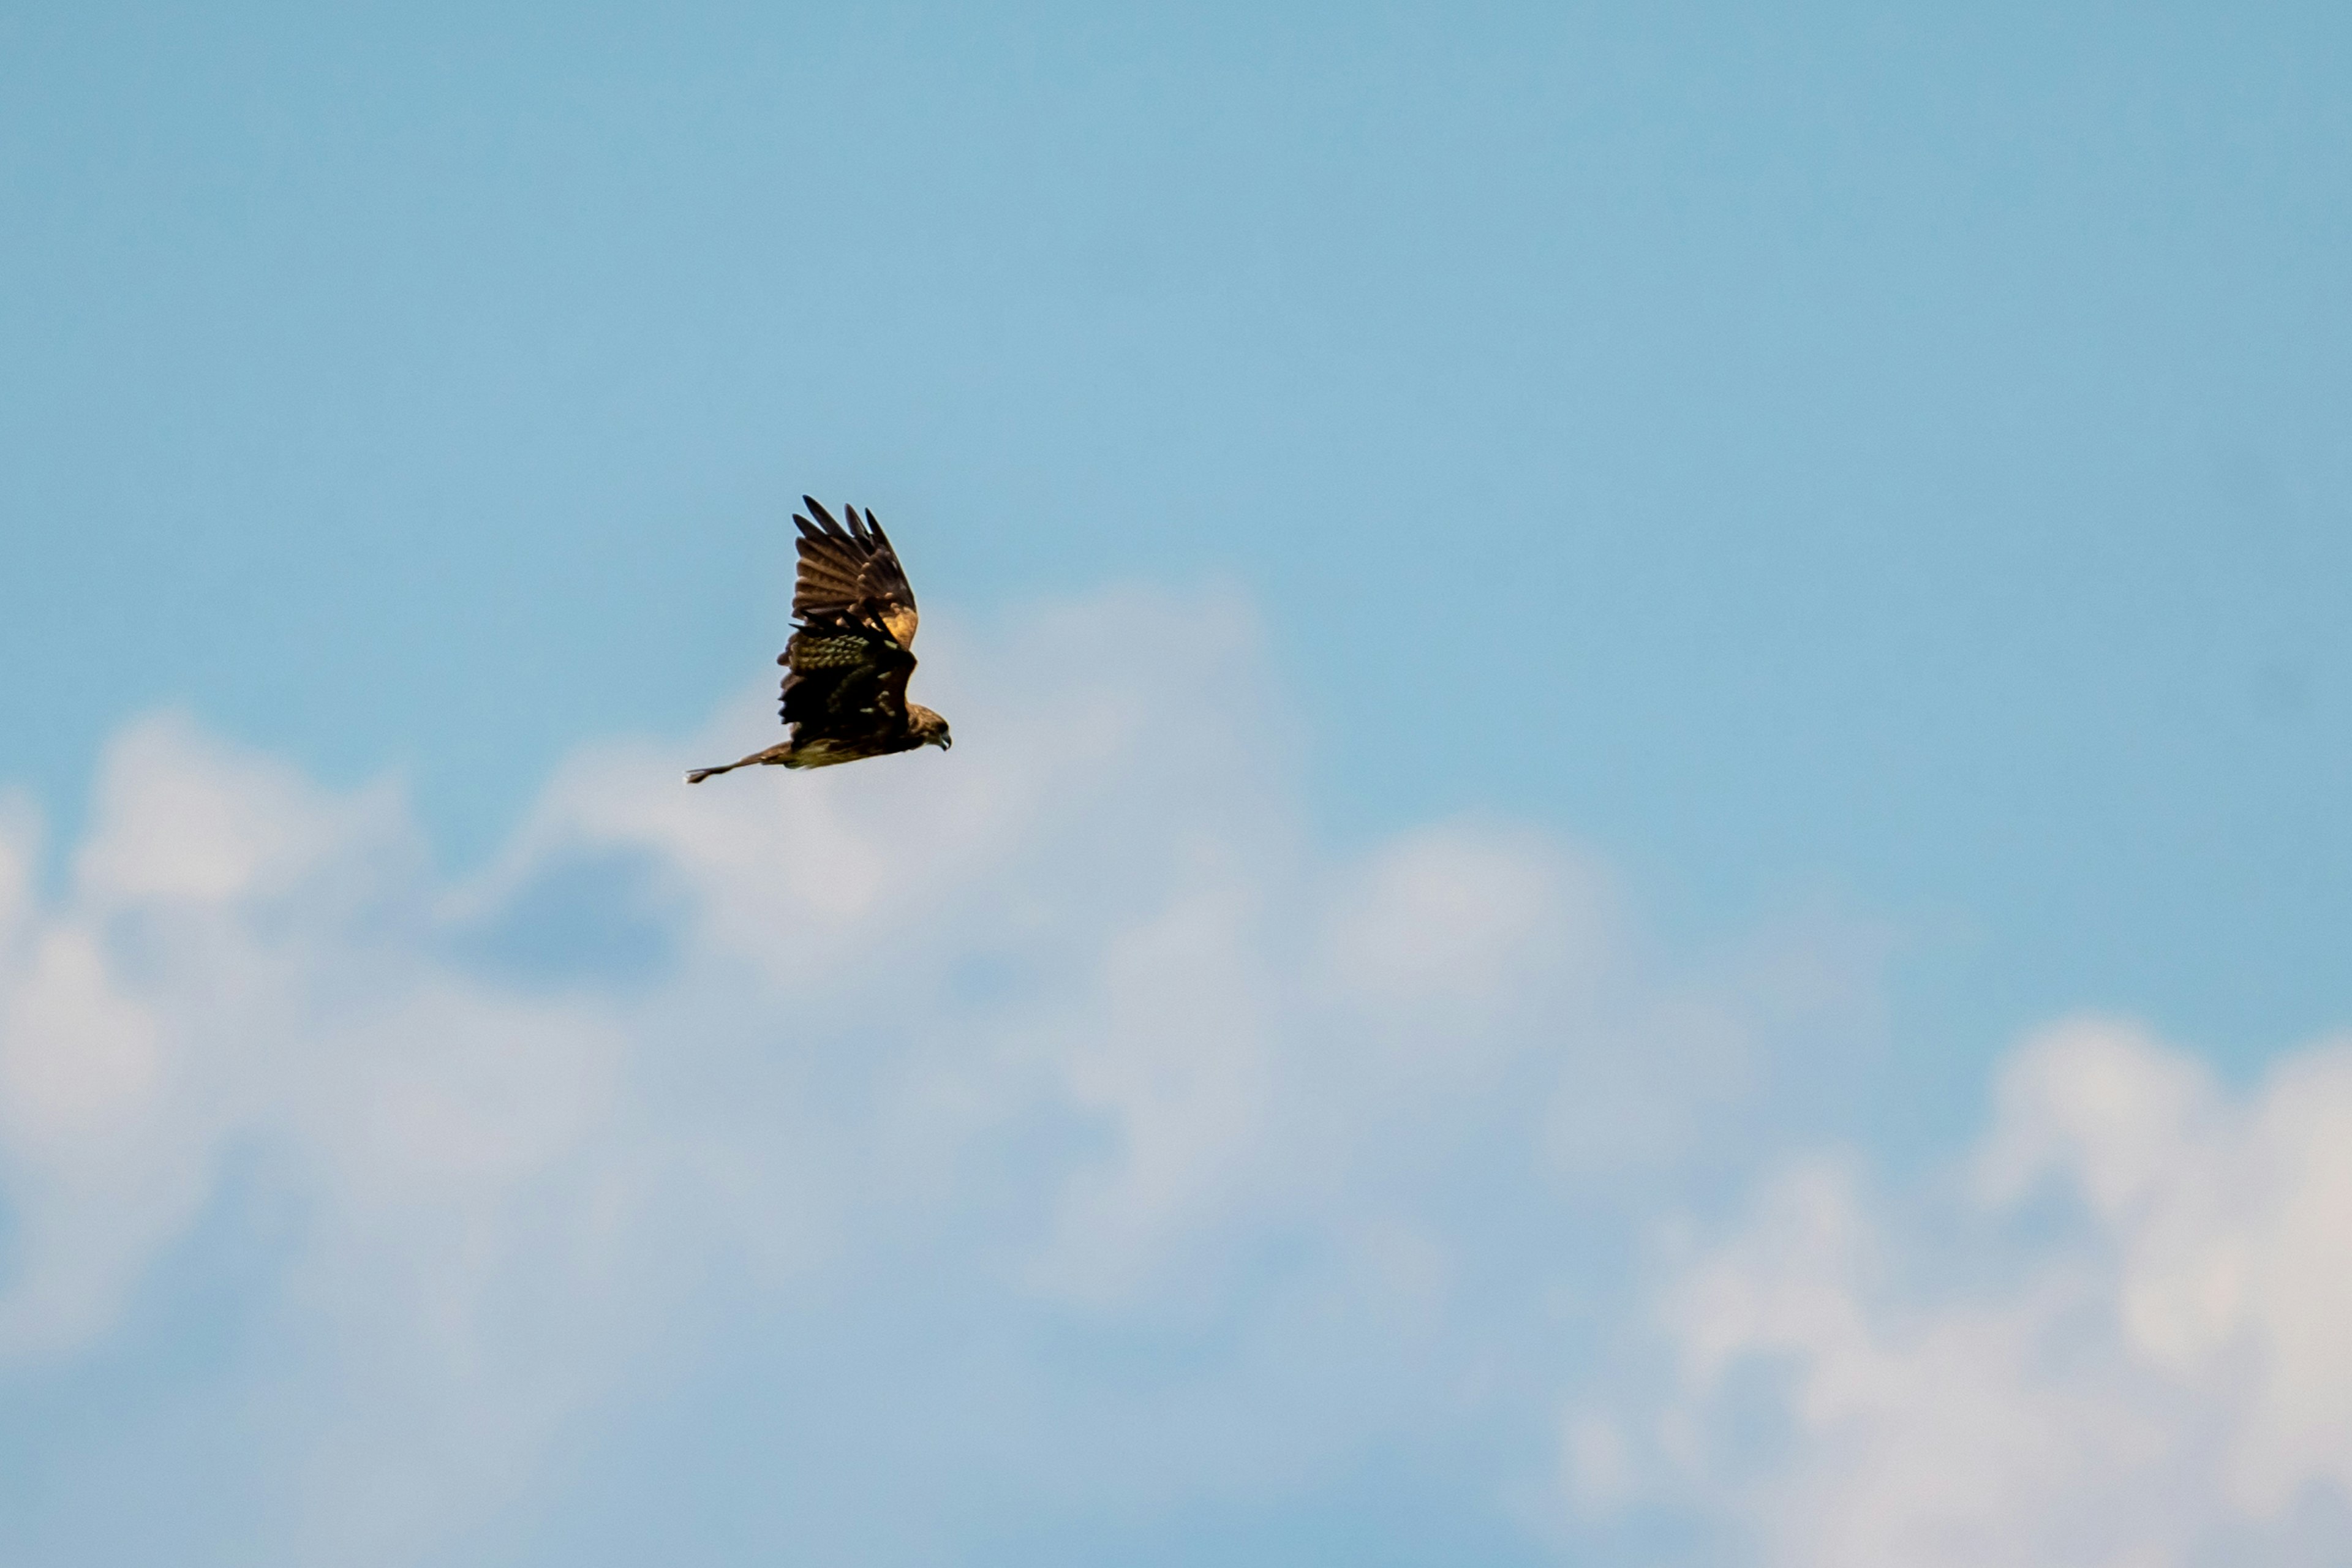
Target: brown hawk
<point>850,654</point>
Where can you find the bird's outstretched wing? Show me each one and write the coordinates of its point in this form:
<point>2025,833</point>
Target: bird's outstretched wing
<point>849,658</point>
<point>852,574</point>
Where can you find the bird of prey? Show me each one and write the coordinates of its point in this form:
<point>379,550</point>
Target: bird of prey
<point>850,652</point>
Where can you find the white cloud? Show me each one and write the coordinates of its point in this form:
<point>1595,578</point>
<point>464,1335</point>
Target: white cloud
<point>2162,1381</point>
<point>1055,1125</point>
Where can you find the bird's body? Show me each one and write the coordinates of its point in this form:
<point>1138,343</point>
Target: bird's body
<point>850,654</point>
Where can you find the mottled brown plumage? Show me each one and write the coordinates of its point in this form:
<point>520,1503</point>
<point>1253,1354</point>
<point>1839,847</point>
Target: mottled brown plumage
<point>850,654</point>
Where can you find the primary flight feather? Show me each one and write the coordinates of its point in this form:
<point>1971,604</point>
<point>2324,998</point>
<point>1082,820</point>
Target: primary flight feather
<point>851,651</point>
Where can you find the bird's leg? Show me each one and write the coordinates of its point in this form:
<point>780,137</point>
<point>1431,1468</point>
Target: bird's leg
<point>773,754</point>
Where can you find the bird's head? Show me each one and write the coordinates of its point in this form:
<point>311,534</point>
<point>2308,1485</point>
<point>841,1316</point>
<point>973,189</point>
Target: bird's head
<point>930,729</point>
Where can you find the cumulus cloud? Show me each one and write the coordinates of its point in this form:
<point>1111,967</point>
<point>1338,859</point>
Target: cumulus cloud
<point>2117,1341</point>
<point>908,1161</point>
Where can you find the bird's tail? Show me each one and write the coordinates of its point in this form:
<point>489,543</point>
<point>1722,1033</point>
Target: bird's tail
<point>773,754</point>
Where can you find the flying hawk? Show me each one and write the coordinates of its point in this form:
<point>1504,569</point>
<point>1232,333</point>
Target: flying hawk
<point>850,653</point>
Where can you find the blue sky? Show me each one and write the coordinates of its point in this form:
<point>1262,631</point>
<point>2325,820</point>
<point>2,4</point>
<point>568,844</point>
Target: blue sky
<point>1817,534</point>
